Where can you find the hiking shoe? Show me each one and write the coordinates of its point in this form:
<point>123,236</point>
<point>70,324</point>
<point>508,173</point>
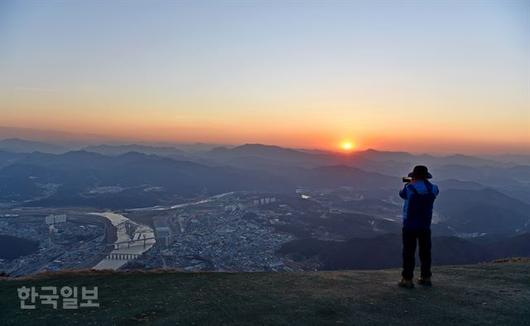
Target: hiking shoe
<point>404,283</point>
<point>425,281</point>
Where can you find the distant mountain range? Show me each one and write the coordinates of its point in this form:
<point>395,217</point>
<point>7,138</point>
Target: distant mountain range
<point>478,195</point>
<point>18,145</point>
<point>75,176</point>
<point>385,251</point>
<point>482,213</point>
<point>123,149</point>
<point>299,156</point>
<point>484,210</point>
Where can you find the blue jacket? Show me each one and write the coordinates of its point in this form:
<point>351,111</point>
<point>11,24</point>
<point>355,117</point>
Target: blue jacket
<point>419,198</point>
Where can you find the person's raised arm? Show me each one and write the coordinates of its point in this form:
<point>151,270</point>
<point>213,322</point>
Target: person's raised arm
<point>403,192</point>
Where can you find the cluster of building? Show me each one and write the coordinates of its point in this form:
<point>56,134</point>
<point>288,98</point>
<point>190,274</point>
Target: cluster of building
<point>264,201</point>
<point>62,244</point>
<point>231,233</point>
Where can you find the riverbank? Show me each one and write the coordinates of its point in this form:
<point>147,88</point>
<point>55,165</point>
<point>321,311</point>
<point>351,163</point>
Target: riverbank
<point>126,247</point>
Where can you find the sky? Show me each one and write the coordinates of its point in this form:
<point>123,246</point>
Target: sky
<point>421,76</point>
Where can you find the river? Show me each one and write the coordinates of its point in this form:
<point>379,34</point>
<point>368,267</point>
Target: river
<point>166,208</point>
<point>124,249</point>
<point>138,247</point>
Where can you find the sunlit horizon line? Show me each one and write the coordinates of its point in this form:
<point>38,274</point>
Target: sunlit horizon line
<point>64,137</point>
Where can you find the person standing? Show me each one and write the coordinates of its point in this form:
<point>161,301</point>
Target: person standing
<point>419,195</point>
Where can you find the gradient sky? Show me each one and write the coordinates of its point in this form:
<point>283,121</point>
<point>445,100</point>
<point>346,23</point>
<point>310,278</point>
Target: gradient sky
<point>422,76</point>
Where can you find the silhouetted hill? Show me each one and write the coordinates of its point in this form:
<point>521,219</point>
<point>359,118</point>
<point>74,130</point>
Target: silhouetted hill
<point>69,178</point>
<point>266,156</point>
<point>483,210</point>
<point>457,184</point>
<point>7,158</point>
<point>341,175</point>
<point>385,251</point>
<point>268,150</point>
<point>487,175</point>
<point>75,174</point>
<point>123,149</point>
<point>18,145</point>
<point>376,155</point>
<point>461,167</point>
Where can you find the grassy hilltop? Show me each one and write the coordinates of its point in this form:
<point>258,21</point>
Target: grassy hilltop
<point>485,294</point>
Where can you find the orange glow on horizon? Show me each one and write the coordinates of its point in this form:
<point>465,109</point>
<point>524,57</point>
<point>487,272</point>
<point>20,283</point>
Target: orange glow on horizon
<point>347,146</point>
<point>328,135</point>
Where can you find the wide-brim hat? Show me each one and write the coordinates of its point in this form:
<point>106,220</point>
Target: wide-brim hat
<point>420,171</point>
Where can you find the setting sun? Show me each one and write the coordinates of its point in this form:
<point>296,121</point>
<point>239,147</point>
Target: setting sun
<point>347,146</point>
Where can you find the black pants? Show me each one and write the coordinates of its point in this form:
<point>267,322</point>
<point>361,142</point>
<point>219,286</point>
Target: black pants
<point>410,237</point>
